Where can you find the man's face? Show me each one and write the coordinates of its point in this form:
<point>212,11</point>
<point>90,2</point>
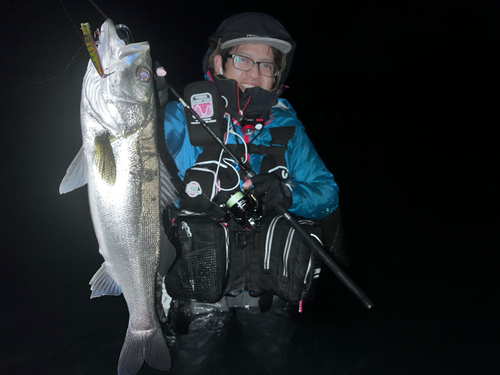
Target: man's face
<point>252,78</point>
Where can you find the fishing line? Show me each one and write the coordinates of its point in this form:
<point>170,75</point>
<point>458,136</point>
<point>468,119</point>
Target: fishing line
<point>5,95</point>
<point>71,60</point>
<point>63,73</point>
<point>99,10</point>
<point>67,65</point>
<point>72,23</point>
<point>79,35</point>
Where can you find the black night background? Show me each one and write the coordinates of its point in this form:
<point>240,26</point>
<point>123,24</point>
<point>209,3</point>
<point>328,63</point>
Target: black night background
<point>401,101</point>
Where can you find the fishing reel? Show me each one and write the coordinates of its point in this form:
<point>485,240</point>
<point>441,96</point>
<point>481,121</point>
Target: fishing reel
<point>245,209</point>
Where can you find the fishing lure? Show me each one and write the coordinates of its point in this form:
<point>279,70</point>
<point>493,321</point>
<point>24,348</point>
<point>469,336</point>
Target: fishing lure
<point>91,47</point>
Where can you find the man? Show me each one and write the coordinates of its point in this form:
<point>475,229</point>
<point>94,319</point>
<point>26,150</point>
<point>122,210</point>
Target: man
<point>248,60</point>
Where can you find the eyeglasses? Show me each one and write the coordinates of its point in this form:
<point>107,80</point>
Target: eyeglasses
<point>246,64</point>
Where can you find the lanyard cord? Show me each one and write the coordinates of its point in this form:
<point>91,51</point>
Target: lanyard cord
<point>227,161</point>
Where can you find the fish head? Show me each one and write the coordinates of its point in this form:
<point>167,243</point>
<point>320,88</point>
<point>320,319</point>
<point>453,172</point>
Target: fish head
<point>124,98</point>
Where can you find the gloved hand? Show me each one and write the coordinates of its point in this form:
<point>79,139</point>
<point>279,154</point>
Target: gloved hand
<point>161,84</point>
<point>270,190</point>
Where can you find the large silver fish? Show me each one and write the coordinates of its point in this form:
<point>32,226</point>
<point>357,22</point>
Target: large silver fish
<point>128,187</point>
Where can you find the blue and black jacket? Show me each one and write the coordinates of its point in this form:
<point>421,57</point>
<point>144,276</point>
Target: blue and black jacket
<point>315,192</point>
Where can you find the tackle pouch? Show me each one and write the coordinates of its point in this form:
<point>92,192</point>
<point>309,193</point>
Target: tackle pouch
<point>290,267</point>
<point>276,260</point>
<point>201,269</point>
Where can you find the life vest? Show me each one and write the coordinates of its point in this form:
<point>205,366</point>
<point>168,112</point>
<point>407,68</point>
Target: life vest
<point>218,258</point>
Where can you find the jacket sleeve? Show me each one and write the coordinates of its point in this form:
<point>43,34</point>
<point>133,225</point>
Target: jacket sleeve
<point>177,138</point>
<point>315,192</point>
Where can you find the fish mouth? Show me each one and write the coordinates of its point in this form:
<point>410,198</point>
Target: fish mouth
<point>120,102</point>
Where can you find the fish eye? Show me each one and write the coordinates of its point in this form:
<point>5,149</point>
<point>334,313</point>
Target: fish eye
<point>144,74</point>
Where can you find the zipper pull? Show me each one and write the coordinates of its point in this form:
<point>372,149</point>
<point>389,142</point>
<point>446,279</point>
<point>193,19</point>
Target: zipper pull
<point>301,303</point>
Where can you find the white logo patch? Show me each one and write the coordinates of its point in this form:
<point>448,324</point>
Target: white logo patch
<point>193,189</point>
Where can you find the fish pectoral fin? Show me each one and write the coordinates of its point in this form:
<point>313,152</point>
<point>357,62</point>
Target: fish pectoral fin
<point>104,159</point>
<point>76,174</point>
<point>102,284</point>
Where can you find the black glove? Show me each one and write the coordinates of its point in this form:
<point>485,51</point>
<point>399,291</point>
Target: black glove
<point>271,191</point>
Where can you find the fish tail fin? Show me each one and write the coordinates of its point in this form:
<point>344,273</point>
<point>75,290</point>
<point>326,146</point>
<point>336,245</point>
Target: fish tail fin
<point>140,346</point>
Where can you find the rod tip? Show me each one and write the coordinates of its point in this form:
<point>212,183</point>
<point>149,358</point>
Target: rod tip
<point>367,303</point>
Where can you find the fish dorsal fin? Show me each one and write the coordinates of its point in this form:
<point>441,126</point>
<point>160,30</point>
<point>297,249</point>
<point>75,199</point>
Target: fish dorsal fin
<point>104,159</point>
<point>76,174</point>
<point>102,284</point>
<point>167,189</point>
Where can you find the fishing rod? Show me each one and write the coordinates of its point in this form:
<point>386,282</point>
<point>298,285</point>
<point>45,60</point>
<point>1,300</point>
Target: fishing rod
<point>325,257</point>
<point>98,9</point>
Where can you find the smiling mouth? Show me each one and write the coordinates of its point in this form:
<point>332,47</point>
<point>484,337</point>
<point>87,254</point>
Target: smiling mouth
<point>244,86</point>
